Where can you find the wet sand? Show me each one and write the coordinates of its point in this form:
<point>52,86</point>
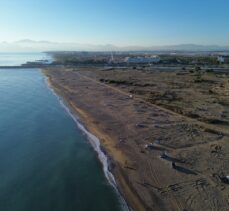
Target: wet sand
<point>129,110</point>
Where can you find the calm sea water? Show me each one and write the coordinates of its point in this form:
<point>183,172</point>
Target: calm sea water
<point>46,162</point>
<point>16,59</point>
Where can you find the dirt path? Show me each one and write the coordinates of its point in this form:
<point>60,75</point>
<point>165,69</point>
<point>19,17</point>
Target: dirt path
<point>136,98</point>
<point>143,176</point>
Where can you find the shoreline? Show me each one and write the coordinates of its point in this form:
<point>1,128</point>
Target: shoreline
<point>120,160</point>
<point>110,152</point>
<point>94,141</point>
<point>144,140</point>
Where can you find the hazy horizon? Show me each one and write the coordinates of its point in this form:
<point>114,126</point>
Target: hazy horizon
<point>28,45</point>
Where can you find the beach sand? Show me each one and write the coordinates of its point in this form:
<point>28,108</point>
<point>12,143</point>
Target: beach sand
<point>127,112</point>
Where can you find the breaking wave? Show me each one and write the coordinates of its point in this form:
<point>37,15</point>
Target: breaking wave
<point>95,143</point>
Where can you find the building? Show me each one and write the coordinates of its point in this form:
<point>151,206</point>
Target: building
<point>142,60</point>
<point>223,59</point>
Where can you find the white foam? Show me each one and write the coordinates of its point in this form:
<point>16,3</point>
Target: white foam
<point>95,143</point>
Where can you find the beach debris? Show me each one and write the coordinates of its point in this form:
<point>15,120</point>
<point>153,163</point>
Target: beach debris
<point>216,148</point>
<point>183,169</point>
<point>130,167</point>
<point>142,151</point>
<point>164,155</point>
<point>131,96</point>
<point>149,146</point>
<point>153,146</point>
<point>140,126</point>
<point>225,179</point>
<point>121,141</point>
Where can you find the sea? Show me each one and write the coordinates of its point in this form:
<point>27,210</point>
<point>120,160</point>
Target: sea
<point>17,59</point>
<point>48,160</point>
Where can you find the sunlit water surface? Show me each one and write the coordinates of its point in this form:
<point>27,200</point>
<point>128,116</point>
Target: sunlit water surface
<point>46,163</point>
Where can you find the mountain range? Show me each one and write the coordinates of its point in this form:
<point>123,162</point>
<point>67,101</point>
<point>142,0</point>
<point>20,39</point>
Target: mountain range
<point>28,45</point>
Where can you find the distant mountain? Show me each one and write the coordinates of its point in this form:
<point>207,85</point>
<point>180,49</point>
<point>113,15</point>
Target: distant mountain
<point>28,45</point>
<point>192,47</point>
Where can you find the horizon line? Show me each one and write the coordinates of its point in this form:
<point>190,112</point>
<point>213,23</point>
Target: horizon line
<point>111,44</point>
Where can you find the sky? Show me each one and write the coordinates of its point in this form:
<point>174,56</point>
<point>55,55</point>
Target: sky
<point>117,22</point>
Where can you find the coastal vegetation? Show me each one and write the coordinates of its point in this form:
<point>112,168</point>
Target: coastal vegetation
<point>164,129</point>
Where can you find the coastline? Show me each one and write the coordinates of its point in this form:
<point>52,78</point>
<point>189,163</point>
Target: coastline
<point>135,133</point>
<point>132,197</point>
<point>112,154</point>
<point>94,136</point>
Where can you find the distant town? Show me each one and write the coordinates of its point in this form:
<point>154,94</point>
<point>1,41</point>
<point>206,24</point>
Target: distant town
<point>163,60</point>
<point>141,58</point>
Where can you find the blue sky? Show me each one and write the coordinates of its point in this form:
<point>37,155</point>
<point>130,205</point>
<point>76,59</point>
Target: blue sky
<point>119,22</point>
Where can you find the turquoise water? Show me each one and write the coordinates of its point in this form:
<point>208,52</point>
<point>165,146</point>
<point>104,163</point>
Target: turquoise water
<point>46,162</point>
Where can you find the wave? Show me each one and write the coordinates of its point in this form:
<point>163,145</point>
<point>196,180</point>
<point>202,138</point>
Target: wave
<point>95,143</point>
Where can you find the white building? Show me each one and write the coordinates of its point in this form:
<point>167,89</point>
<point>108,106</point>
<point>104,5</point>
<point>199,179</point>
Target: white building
<point>142,60</point>
<point>223,59</point>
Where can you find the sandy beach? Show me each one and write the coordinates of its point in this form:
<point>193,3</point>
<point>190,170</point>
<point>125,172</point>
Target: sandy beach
<point>166,136</point>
